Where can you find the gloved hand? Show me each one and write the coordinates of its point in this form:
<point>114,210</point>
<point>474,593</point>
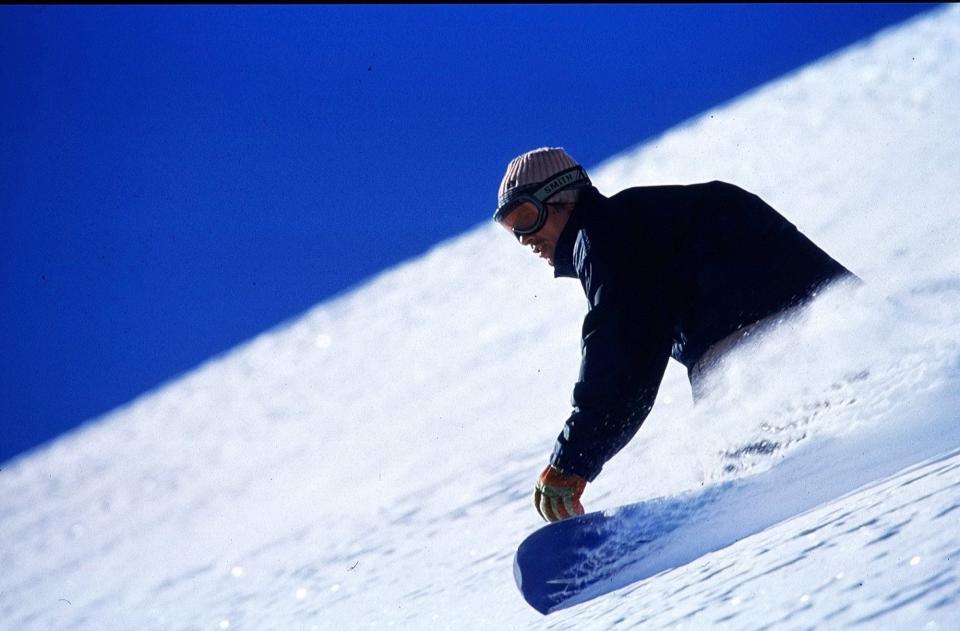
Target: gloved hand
<point>557,495</point>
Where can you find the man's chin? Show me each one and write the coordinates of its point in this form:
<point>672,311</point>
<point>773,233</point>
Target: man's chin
<point>546,257</point>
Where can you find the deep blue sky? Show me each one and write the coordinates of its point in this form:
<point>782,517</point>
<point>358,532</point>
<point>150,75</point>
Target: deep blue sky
<point>175,180</point>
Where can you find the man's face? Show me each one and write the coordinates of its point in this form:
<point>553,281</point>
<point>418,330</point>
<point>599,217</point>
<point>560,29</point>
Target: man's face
<point>543,242</point>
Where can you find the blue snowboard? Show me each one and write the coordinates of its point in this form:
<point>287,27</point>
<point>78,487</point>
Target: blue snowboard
<point>575,560</point>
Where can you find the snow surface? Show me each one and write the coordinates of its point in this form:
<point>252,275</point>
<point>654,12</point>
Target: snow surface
<point>370,464</point>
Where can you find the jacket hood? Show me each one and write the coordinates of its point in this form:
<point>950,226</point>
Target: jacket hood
<point>563,254</point>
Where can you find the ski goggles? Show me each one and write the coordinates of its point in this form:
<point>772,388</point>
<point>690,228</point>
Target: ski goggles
<point>523,210</point>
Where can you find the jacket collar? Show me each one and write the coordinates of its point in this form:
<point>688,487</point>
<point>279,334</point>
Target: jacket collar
<point>563,254</point>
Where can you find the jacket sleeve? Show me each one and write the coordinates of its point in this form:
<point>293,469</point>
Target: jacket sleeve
<point>625,348</point>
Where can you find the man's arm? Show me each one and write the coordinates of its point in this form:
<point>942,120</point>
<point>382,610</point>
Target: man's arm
<point>625,353</point>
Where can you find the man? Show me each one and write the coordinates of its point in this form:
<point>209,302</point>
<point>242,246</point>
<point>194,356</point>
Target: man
<point>669,271</point>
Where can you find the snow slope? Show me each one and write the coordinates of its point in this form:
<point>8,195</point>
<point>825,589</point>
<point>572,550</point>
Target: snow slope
<point>370,464</point>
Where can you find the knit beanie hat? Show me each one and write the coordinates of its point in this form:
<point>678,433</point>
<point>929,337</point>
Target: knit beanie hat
<point>534,167</point>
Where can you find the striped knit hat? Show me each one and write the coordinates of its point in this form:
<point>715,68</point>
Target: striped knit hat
<point>536,166</point>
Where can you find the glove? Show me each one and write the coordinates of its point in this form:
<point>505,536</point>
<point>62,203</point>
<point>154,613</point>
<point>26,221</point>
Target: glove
<point>557,495</point>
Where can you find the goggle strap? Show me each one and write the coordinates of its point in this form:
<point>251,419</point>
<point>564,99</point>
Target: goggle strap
<point>574,176</point>
<point>570,178</point>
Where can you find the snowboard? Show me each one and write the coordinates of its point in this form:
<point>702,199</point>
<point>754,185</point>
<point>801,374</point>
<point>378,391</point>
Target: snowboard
<point>575,560</point>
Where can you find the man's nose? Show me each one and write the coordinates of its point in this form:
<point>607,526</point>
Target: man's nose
<point>524,239</point>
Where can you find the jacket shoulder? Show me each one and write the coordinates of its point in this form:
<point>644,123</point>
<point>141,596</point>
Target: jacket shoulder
<point>659,192</point>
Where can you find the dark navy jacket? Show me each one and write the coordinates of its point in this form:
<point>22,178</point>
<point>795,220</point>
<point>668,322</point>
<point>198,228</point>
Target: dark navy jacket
<point>668,271</point>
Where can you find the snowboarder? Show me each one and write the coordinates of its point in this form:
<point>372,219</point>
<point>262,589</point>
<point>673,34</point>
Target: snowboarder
<point>686,272</point>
